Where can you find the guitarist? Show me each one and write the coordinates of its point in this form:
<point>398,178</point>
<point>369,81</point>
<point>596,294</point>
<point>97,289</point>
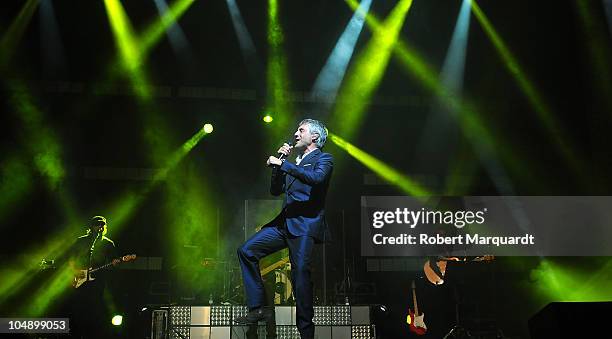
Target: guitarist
<point>88,309</point>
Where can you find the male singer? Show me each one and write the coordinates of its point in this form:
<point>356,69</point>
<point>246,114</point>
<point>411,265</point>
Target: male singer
<point>299,225</point>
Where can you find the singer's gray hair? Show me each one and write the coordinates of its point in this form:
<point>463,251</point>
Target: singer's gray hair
<point>316,127</point>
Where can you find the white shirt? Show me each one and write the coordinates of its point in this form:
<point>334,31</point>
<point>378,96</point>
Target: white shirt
<point>300,157</point>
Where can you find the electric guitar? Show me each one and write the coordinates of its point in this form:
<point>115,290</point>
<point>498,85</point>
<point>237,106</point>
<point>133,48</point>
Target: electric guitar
<point>414,319</point>
<point>435,275</point>
<point>83,276</point>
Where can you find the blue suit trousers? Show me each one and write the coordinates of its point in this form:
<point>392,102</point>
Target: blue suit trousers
<point>267,241</point>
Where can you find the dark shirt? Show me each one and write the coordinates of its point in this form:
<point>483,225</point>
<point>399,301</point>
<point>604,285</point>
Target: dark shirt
<point>104,252</point>
<point>86,306</point>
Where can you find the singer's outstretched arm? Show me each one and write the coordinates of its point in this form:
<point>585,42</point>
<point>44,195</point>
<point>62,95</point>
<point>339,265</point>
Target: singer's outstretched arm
<point>320,173</point>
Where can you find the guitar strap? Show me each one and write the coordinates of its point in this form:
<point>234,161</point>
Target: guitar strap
<point>91,249</point>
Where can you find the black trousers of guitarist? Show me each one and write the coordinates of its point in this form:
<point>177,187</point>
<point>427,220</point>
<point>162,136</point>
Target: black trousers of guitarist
<point>89,317</point>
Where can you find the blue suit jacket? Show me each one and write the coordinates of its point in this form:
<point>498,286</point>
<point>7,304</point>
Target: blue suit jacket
<point>305,187</point>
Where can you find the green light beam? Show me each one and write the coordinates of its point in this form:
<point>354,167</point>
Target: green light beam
<point>25,267</point>
<point>596,37</point>
<point>414,63</point>
<point>386,172</point>
<point>122,209</point>
<point>13,278</point>
<point>367,73</point>
<point>15,183</point>
<point>60,243</point>
<point>558,282</point>
<point>49,293</point>
<point>457,181</point>
<point>41,141</point>
<point>189,208</point>
<point>533,96</point>
<point>179,154</point>
<point>42,144</point>
<point>134,49</point>
<point>277,78</point>
<point>48,161</point>
<point>9,41</point>
<point>191,217</point>
<point>465,112</point>
<point>128,47</point>
<point>156,30</point>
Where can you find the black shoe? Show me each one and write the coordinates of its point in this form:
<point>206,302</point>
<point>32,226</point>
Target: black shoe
<point>256,315</point>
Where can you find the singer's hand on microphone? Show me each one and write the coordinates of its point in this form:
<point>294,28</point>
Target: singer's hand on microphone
<point>274,161</point>
<point>285,149</point>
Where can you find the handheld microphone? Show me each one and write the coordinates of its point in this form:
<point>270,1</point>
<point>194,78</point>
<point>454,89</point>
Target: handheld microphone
<point>281,156</point>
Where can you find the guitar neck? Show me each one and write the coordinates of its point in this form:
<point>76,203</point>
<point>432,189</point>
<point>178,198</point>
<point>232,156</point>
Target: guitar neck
<point>414,301</point>
<point>100,268</point>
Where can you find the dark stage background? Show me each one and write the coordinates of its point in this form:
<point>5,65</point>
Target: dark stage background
<point>109,144</point>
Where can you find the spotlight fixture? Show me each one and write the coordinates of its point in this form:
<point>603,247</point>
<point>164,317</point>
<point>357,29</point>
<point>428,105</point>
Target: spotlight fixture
<point>208,128</point>
<point>267,118</point>
<point>117,320</point>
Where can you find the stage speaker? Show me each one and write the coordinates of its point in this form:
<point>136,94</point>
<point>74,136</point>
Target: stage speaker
<point>571,320</point>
